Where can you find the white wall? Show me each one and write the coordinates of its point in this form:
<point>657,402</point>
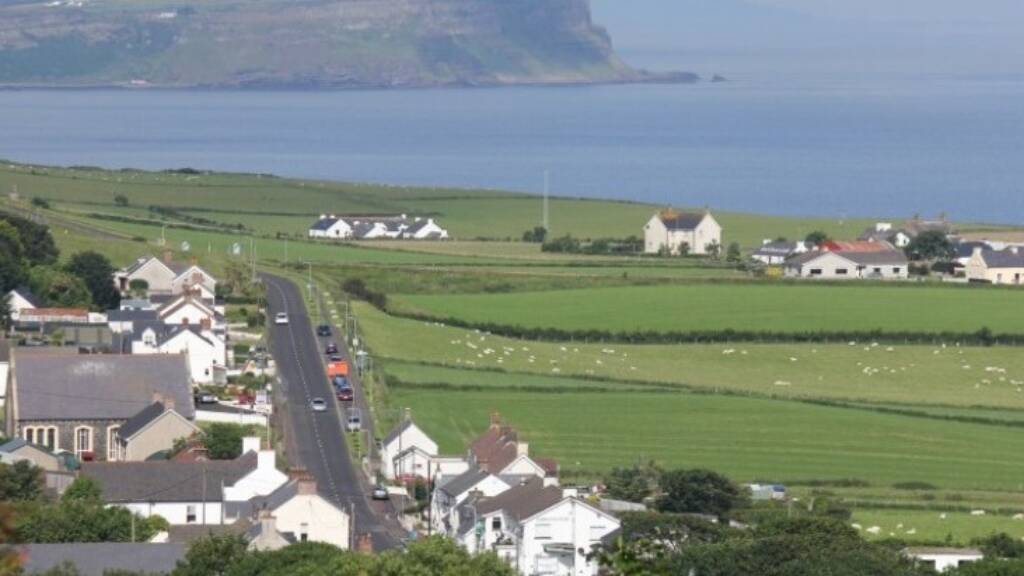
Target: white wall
<point>229,417</point>
<point>262,481</point>
<point>323,521</point>
<point>571,522</point>
<point>411,437</point>
<point>191,312</point>
<point>176,512</point>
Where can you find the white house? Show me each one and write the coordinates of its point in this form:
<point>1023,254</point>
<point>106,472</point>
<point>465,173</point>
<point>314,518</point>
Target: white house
<point>164,277</point>
<point>775,252</point>
<point>186,493</point>
<point>302,515</point>
<point>996,266</point>
<point>689,232</point>
<point>206,351</point>
<point>450,492</point>
<point>943,559</point>
<point>413,444</point>
<point>415,462</point>
<point>402,226</point>
<point>20,299</point>
<point>844,265</point>
<point>425,229</point>
<point>884,232</point>
<point>190,310</point>
<point>537,529</point>
<point>330,226</point>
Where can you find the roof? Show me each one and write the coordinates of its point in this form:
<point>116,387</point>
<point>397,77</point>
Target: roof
<point>62,385</point>
<point>140,420</point>
<point>397,431</point>
<point>1008,258</point>
<point>324,224</point>
<point>37,312</point>
<point>874,258</point>
<point>169,480</point>
<point>13,445</point>
<point>523,501</point>
<point>495,448</point>
<point>856,246</point>
<point>417,225</point>
<point>186,534</point>
<point>94,559</point>
<point>27,294</point>
<point>131,315</point>
<point>681,220</point>
<point>465,481</point>
<point>776,249</point>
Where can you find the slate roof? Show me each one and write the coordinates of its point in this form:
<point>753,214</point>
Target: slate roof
<point>417,225</point>
<point>27,294</point>
<point>521,502</point>
<point>271,501</point>
<point>396,431</point>
<point>93,559</point>
<point>881,258</point>
<point>132,316</point>
<point>140,420</point>
<point>62,385</point>
<point>324,224</point>
<point>168,481</point>
<point>939,550</point>
<point>465,481</point>
<point>1003,258</point>
<point>13,444</point>
<point>682,220</point>
<point>776,249</point>
<point>966,249</point>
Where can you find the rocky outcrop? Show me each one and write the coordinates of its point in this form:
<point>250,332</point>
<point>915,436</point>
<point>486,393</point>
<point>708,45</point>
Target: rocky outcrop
<point>308,43</point>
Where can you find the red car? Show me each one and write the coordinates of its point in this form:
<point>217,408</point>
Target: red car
<point>345,395</point>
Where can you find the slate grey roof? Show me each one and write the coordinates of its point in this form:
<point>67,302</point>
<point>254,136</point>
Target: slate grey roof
<point>885,257</point>
<point>396,431</point>
<point>94,559</point>
<point>522,501</point>
<point>324,224</point>
<point>139,263</point>
<point>168,481</point>
<point>360,229</point>
<point>62,385</point>
<point>140,420</point>
<point>271,501</point>
<point>966,249</point>
<point>776,249</point>
<point>1003,258</point>
<point>417,225</point>
<point>464,481</point>
<point>28,295</point>
<point>683,220</point>
<point>13,444</point>
<point>132,316</point>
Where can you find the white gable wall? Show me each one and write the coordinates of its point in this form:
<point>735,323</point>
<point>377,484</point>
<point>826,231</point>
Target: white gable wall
<point>317,518</point>
<point>571,522</point>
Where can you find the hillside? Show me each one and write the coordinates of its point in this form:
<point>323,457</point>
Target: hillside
<point>313,43</point>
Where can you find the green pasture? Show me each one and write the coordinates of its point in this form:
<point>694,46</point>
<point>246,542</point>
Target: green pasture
<point>746,438</point>
<point>757,306</point>
<point>934,526</point>
<point>930,375</point>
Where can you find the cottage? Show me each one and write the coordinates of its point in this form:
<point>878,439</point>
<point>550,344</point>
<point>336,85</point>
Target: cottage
<point>191,309</point>
<point>499,451</point>
<point>996,266</point>
<point>843,264</point>
<point>537,529</point>
<point>451,492</point>
<point>295,512</point>
<point>166,277</point>
<point>78,402</point>
<point>330,226</point>
<point>943,559</point>
<point>412,443</point>
<point>21,298</point>
<point>205,350</point>
<point>376,227</point>
<point>884,232</point>
<point>682,232</point>
<point>18,449</point>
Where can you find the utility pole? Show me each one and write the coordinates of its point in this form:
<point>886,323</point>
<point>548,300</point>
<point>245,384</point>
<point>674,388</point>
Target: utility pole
<point>547,190</point>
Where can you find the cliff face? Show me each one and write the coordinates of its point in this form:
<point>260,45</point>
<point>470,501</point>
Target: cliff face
<point>314,43</point>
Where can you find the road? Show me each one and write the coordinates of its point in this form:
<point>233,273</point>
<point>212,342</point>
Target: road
<point>318,443</point>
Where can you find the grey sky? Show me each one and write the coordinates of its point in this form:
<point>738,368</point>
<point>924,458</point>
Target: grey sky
<point>883,36</point>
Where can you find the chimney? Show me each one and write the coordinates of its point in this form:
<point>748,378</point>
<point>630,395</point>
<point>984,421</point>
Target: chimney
<point>976,251</point>
<point>522,449</point>
<point>168,257</point>
<point>307,486</point>
<point>495,420</point>
<point>250,444</point>
<point>323,216</point>
<point>766,242</point>
<point>267,524</point>
<point>364,545</point>
<point>407,415</point>
<point>266,460</point>
<point>169,403</point>
<point>1014,249</point>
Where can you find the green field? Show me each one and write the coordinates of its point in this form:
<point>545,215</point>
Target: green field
<point>966,377</point>
<point>756,306</point>
<point>931,526</point>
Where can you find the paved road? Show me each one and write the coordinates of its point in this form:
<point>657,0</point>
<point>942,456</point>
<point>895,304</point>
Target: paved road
<point>319,445</point>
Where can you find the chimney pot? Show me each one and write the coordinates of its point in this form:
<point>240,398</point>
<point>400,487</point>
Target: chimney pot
<point>522,449</point>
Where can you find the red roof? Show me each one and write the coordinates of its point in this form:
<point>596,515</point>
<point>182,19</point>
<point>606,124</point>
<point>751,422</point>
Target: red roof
<point>39,312</point>
<point>856,246</point>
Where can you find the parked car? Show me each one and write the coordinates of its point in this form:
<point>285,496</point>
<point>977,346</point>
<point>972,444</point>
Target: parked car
<point>355,422</point>
<point>379,493</point>
<point>331,348</point>
<point>323,330</point>
<point>336,358</point>
<point>205,398</point>
<point>281,318</point>
<point>318,405</point>
<point>345,395</point>
<point>340,382</point>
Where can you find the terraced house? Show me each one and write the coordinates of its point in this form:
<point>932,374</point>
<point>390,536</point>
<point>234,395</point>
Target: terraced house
<point>402,227</point>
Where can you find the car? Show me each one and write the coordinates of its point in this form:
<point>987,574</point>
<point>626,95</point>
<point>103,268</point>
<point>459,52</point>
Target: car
<point>318,405</point>
<point>345,395</point>
<point>331,348</point>
<point>340,382</point>
<point>355,423</point>
<point>323,330</point>
<point>336,358</point>
<point>379,493</point>
<point>281,319</point>
<point>205,398</point>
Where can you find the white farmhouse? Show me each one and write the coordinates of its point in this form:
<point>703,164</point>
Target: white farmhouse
<point>537,529</point>
<point>996,266</point>
<point>330,226</point>
<point>376,228</point>
<point>206,351</point>
<point>407,439</point>
<point>687,232</point>
<point>943,559</point>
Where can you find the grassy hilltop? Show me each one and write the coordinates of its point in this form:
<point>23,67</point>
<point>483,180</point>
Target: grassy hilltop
<point>805,413</point>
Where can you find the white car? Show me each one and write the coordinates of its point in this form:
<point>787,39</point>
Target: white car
<point>318,405</point>
<point>281,319</point>
<point>354,424</point>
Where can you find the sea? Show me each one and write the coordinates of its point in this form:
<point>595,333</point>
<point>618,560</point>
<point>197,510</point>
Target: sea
<point>832,147</point>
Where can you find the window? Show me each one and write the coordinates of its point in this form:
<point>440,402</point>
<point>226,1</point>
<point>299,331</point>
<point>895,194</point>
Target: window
<point>896,270</point>
<point>303,532</point>
<point>83,440</point>
<point>30,435</point>
<point>815,271</point>
<point>496,523</point>
<point>542,531</point>
<point>841,271</point>
<point>190,514</point>
<point>114,443</point>
<point>51,438</point>
<point>41,435</point>
<point>877,270</point>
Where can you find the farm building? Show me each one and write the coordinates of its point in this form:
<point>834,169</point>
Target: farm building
<point>686,232</point>
<point>996,266</point>
<point>847,260</point>
<point>400,227</point>
<point>773,252</point>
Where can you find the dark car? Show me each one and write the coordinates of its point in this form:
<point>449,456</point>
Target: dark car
<point>332,348</point>
<point>345,395</point>
<point>323,330</point>
<point>336,358</point>
<point>340,382</point>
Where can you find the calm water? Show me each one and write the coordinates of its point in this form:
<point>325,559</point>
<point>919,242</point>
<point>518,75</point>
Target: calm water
<point>829,149</point>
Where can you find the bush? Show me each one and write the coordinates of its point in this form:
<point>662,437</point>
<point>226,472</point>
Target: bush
<point>41,203</point>
<point>914,486</point>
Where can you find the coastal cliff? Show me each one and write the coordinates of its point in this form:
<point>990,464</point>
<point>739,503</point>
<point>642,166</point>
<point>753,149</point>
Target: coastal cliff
<point>308,43</point>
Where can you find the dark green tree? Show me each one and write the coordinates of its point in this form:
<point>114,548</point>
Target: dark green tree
<point>40,202</point>
<point>699,491</point>
<point>120,200</point>
<point>538,234</point>
<point>13,267</point>
<point>36,240</point>
<point>733,253</point>
<point>817,238</point>
<point>21,481</point>
<point>98,274</point>
<point>59,288</point>
<point>83,489</point>
<point>224,441</point>
<point>213,555</point>
<point>633,484</point>
<point>990,567</point>
<point>932,246</point>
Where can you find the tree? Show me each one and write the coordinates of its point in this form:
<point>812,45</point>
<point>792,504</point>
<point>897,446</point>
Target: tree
<point>224,441</point>
<point>684,249</point>
<point>713,249</point>
<point>733,254</point>
<point>931,245</point>
<point>632,484</point>
<point>38,244</point>
<point>98,274</point>
<point>213,555</point>
<point>12,262</point>
<point>9,557</point>
<point>39,202</point>
<point>538,234</point>
<point>83,489</point>
<point>699,491</point>
<point>138,287</point>
<point>21,481</point>
<point>59,288</point>
<point>84,521</point>
<point>120,200</point>
<point>990,567</point>
<point>438,555</point>
<point>817,238</point>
